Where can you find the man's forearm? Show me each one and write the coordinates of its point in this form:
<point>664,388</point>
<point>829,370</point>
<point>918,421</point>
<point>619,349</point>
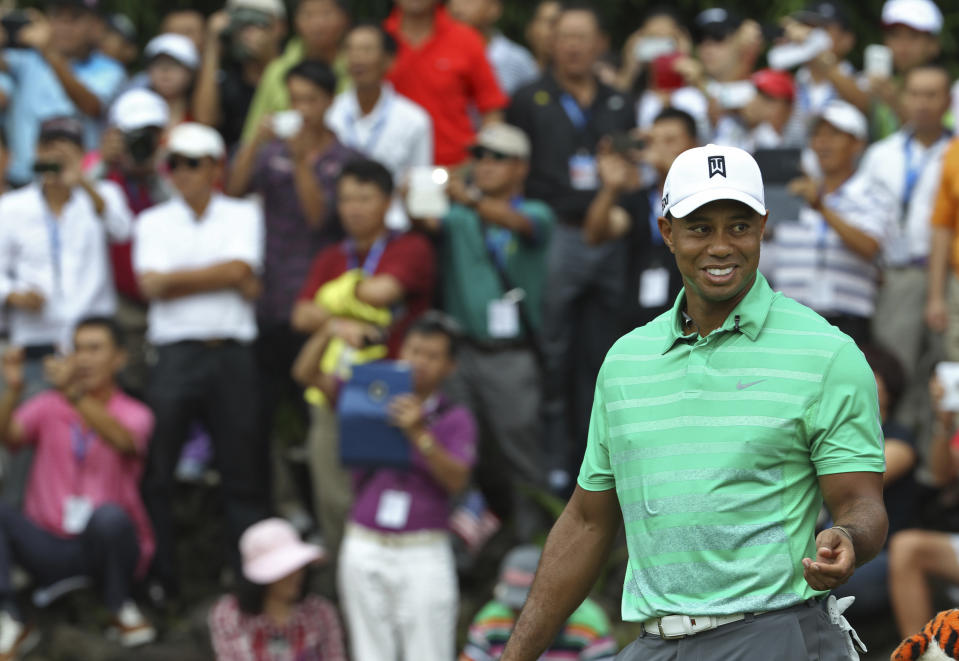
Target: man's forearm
<point>855,239</point>
<point>105,425</point>
<point>187,282</point>
<point>99,205</point>
<point>576,549</point>
<point>939,263</point>
<point>82,98</point>
<point>866,521</point>
<point>8,404</point>
<point>596,227</point>
<point>501,212</point>
<point>206,96</point>
<point>310,194</point>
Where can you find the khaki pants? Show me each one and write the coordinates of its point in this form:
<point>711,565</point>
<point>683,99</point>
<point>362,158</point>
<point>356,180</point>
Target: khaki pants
<point>332,485</point>
<point>952,330</point>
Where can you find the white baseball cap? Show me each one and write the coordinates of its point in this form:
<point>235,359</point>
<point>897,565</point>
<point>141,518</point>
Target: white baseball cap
<point>274,8</point>
<point>921,15</point>
<point>138,109</point>
<point>271,550</point>
<point>180,48</point>
<point>845,117</point>
<point>702,175</point>
<point>195,141</point>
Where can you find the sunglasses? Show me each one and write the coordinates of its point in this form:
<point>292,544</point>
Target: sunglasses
<point>176,161</point>
<point>479,153</point>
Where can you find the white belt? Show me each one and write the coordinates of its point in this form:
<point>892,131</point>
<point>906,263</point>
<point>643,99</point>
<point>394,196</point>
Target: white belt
<point>680,626</point>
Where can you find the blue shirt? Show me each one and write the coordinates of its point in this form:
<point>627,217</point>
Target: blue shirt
<point>36,94</point>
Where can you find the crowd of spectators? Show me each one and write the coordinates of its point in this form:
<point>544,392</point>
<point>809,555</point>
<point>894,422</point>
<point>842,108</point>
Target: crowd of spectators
<point>196,251</point>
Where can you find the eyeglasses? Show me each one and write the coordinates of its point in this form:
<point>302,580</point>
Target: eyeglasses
<point>479,153</point>
<point>176,161</point>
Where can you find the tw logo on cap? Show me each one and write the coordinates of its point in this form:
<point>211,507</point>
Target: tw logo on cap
<point>717,165</point>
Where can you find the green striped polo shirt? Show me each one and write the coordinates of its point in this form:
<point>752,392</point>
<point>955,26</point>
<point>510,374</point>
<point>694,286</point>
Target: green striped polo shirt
<point>714,445</point>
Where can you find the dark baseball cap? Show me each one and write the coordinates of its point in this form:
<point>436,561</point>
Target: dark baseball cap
<point>716,23</point>
<point>123,26</point>
<point>62,128</point>
<point>821,13</point>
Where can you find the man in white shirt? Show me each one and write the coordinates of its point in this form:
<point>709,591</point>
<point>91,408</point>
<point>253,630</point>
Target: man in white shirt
<point>376,121</point>
<point>908,164</point>
<point>196,258</point>
<point>54,266</point>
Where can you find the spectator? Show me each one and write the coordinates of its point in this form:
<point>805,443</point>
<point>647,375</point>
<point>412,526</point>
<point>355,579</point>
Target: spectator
<point>172,61</point>
<point>828,258</point>
<point>270,616</point>
<point>769,113</point>
<point>185,22</point>
<point>495,245</point>
<point>250,32</point>
<point>296,178</point>
<point>83,516</point>
<point>942,315</point>
<point>870,583</point>
<point>513,65</point>
<point>585,281</point>
<point>427,36</point>
<point>120,40</point>
<point>57,71</point>
<point>915,556</point>
<point>371,280</point>
<point>196,258</point>
<point>54,261</point>
<point>586,636</point>
<point>373,119</point>
<point>4,161</point>
<point>541,30</point>
<point>397,578</point>
<point>629,207</point>
<point>129,157</point>
<point>908,164</point>
<point>320,26</point>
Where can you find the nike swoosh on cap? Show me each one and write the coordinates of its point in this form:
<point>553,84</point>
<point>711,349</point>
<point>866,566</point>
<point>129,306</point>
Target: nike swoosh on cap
<point>742,386</point>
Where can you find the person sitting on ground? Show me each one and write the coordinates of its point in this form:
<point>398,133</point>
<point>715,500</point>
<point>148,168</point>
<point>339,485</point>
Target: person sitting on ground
<point>270,615</point>
<point>82,514</point>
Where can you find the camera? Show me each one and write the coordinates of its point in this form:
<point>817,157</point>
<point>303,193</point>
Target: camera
<point>142,143</point>
<point>240,19</point>
<point>12,24</point>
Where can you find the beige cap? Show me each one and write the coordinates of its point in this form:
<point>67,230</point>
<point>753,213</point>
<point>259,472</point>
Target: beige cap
<point>505,139</point>
<point>274,8</point>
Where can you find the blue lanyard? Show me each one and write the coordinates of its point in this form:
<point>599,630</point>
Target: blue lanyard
<point>353,139</point>
<point>373,257</point>
<point>914,170</point>
<point>80,442</point>
<point>576,114</point>
<point>655,238</point>
<point>56,247</point>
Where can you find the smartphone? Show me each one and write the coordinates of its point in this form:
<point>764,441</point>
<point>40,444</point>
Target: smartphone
<point>287,123</point>
<point>948,375</point>
<point>427,196</point>
<point>624,143</point>
<point>649,48</point>
<point>665,76</point>
<point>791,55</point>
<point>12,24</point>
<point>877,61</point>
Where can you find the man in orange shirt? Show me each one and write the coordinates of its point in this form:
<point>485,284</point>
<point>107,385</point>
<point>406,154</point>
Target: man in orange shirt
<point>942,314</point>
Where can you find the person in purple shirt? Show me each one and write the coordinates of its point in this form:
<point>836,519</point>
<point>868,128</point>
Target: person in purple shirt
<point>293,164</point>
<point>397,577</point>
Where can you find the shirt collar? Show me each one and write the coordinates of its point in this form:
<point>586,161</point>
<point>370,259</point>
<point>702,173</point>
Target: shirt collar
<point>386,94</point>
<point>751,313</point>
<point>441,22</point>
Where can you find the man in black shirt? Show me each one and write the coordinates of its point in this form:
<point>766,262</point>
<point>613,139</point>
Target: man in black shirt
<point>566,113</point>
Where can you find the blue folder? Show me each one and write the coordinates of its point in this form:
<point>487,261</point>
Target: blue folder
<point>367,439</point>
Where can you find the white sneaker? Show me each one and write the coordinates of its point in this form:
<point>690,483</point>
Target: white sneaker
<point>16,638</point>
<point>131,627</point>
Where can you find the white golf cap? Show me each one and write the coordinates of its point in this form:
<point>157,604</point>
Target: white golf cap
<point>274,8</point>
<point>705,174</point>
<point>195,141</point>
<point>505,139</point>
<point>845,117</point>
<point>138,109</point>
<point>921,15</point>
<point>180,48</point>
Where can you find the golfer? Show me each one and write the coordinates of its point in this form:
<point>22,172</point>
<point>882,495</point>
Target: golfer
<point>717,431</point>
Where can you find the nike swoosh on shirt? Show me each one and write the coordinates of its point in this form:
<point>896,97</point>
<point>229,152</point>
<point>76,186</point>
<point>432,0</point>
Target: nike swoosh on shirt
<point>742,386</point>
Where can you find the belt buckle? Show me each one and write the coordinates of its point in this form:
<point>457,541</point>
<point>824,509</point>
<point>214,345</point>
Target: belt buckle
<point>687,628</point>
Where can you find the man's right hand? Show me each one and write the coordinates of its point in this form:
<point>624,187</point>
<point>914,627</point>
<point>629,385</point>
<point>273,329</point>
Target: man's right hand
<point>30,300</point>
<point>264,132</point>
<point>615,171</point>
<point>937,315</point>
<point>215,26</point>
<point>357,334</point>
<point>13,361</point>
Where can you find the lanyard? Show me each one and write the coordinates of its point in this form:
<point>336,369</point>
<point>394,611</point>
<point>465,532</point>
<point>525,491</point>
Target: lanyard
<point>655,200</point>
<point>576,114</point>
<point>56,247</point>
<point>376,132</point>
<point>373,257</point>
<point>915,167</point>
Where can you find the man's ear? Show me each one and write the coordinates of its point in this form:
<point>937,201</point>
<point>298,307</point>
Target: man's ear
<point>666,230</point>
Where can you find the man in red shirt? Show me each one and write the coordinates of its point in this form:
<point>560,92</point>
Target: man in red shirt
<point>441,65</point>
<point>363,291</point>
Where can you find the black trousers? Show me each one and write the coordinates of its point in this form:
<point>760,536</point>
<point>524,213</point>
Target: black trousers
<point>215,383</point>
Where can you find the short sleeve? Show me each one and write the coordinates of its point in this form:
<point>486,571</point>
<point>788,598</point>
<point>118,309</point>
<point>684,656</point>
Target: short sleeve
<point>32,413</point>
<point>227,634</point>
<point>456,432</point>
<point>596,473</point>
<point>872,209</point>
<point>411,260</point>
<point>946,209</point>
<point>138,420</point>
<point>320,273</point>
<point>542,218</point>
<point>117,217</point>
<point>846,435</point>
<point>103,80</point>
<point>486,91</point>
<point>247,245</point>
<point>147,255</point>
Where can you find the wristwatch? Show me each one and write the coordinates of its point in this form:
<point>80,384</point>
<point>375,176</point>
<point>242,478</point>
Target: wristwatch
<point>425,443</point>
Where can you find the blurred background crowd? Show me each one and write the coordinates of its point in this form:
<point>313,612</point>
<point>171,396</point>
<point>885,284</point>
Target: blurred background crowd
<point>217,230</point>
